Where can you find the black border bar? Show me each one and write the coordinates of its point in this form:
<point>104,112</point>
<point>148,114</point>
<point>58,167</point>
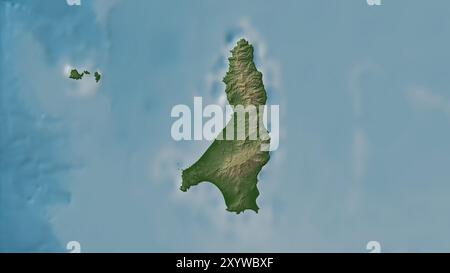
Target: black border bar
<point>217,262</point>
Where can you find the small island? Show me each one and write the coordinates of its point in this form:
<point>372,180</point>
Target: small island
<point>97,76</point>
<point>74,74</point>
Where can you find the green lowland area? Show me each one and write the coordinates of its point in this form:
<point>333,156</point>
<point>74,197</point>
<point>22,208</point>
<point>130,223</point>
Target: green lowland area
<point>233,165</point>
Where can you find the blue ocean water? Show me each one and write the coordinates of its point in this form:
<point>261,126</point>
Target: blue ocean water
<point>365,108</point>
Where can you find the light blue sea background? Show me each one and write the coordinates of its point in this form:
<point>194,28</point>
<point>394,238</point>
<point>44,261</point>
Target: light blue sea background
<point>364,155</point>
